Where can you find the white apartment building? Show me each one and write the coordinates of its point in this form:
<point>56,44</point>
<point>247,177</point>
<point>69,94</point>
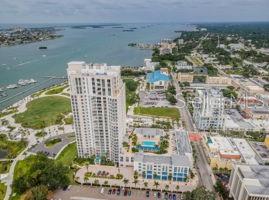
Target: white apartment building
<point>249,182</point>
<point>98,106</point>
<point>209,109</point>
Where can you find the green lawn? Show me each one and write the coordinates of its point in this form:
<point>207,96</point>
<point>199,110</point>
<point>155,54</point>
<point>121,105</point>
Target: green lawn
<point>43,112</point>
<point>2,190</point>
<point>56,90</point>
<point>52,142</point>
<point>172,113</point>
<point>12,148</point>
<point>68,154</point>
<point>4,166</point>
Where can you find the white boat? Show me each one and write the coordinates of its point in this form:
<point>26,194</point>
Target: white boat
<point>12,86</point>
<point>22,82</point>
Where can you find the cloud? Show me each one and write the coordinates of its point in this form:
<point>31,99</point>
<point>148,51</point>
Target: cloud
<point>132,10</point>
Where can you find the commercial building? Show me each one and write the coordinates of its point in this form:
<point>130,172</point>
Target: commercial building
<point>222,152</point>
<point>162,167</point>
<point>209,109</point>
<point>183,65</point>
<point>185,77</point>
<point>98,106</point>
<point>149,65</point>
<point>216,80</point>
<point>158,80</point>
<point>249,182</point>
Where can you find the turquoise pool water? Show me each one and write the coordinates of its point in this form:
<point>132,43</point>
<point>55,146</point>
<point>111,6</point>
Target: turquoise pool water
<point>148,144</point>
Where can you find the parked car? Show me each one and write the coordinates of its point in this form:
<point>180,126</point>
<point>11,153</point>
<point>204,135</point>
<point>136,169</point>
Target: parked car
<point>109,191</point>
<point>147,193</point>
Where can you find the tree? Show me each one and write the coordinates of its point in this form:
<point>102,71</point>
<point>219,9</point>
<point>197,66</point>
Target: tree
<point>38,193</point>
<point>166,187</point>
<point>146,184</point>
<point>177,187</point>
<point>96,182</point>
<point>199,193</point>
<point>219,187</point>
<point>135,175</point>
<point>43,171</point>
<point>105,183</point>
<point>125,181</point>
<point>135,181</point>
<point>156,184</point>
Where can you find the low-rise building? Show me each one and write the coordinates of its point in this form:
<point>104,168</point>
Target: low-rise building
<point>249,182</point>
<point>185,77</point>
<point>217,80</point>
<point>158,80</point>
<point>183,65</point>
<point>162,167</point>
<point>149,65</point>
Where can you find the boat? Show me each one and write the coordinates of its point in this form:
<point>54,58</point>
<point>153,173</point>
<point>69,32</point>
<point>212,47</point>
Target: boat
<point>3,94</point>
<point>42,47</point>
<point>12,86</point>
<point>23,82</point>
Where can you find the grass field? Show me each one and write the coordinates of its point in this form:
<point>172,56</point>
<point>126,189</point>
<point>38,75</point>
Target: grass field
<point>67,156</point>
<point>2,190</point>
<point>172,113</point>
<point>52,142</point>
<point>56,90</point>
<point>11,147</point>
<point>43,112</point>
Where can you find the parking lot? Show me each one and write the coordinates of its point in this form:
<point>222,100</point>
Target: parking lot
<point>54,150</point>
<point>98,193</point>
<point>153,98</point>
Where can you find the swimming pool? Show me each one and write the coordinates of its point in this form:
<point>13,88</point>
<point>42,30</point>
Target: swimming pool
<point>148,146</point>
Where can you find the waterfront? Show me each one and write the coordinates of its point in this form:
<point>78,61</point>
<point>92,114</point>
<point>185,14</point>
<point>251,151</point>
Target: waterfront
<point>105,44</point>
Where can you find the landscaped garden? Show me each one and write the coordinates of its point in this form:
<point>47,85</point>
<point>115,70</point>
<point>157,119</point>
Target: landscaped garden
<point>56,90</point>
<point>2,190</point>
<point>4,166</point>
<point>51,142</point>
<point>172,113</point>
<point>10,149</point>
<point>43,112</point>
<point>37,175</point>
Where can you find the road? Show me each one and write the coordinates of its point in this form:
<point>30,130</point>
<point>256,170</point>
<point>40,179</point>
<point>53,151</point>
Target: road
<point>205,173</point>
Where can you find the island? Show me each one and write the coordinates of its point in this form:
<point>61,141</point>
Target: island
<point>16,36</point>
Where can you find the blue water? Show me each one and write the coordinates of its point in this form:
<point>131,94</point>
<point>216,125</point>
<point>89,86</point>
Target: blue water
<point>148,144</point>
<point>101,45</point>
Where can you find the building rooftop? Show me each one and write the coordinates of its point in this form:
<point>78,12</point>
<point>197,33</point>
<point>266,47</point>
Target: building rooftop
<point>257,178</point>
<point>152,132</point>
<point>157,76</point>
<point>246,151</point>
<point>182,142</point>
<point>176,160</point>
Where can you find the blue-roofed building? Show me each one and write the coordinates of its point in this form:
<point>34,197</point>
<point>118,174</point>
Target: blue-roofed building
<point>158,79</point>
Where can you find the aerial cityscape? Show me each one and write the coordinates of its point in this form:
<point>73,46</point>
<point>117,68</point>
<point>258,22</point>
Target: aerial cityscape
<point>97,104</point>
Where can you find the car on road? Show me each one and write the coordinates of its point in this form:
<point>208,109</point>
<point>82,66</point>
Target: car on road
<point>109,191</point>
<point>174,196</point>
<point>159,195</point>
<point>118,191</point>
<point>129,192</point>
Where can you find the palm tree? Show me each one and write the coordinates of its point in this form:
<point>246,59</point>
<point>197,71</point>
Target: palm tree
<point>87,166</point>
<point>146,184</point>
<point>166,187</point>
<point>96,182</point>
<point>156,184</point>
<point>86,178</point>
<point>135,181</point>
<point>177,187</point>
<point>125,181</point>
<point>105,183</point>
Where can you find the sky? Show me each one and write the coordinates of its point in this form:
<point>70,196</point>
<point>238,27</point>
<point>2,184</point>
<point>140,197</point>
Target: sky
<point>98,11</point>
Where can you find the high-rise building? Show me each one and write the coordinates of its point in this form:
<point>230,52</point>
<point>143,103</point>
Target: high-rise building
<point>209,109</point>
<point>249,182</point>
<point>98,106</point>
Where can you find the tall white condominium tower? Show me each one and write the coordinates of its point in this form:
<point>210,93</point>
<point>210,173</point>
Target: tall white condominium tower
<point>208,112</point>
<point>98,106</point>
